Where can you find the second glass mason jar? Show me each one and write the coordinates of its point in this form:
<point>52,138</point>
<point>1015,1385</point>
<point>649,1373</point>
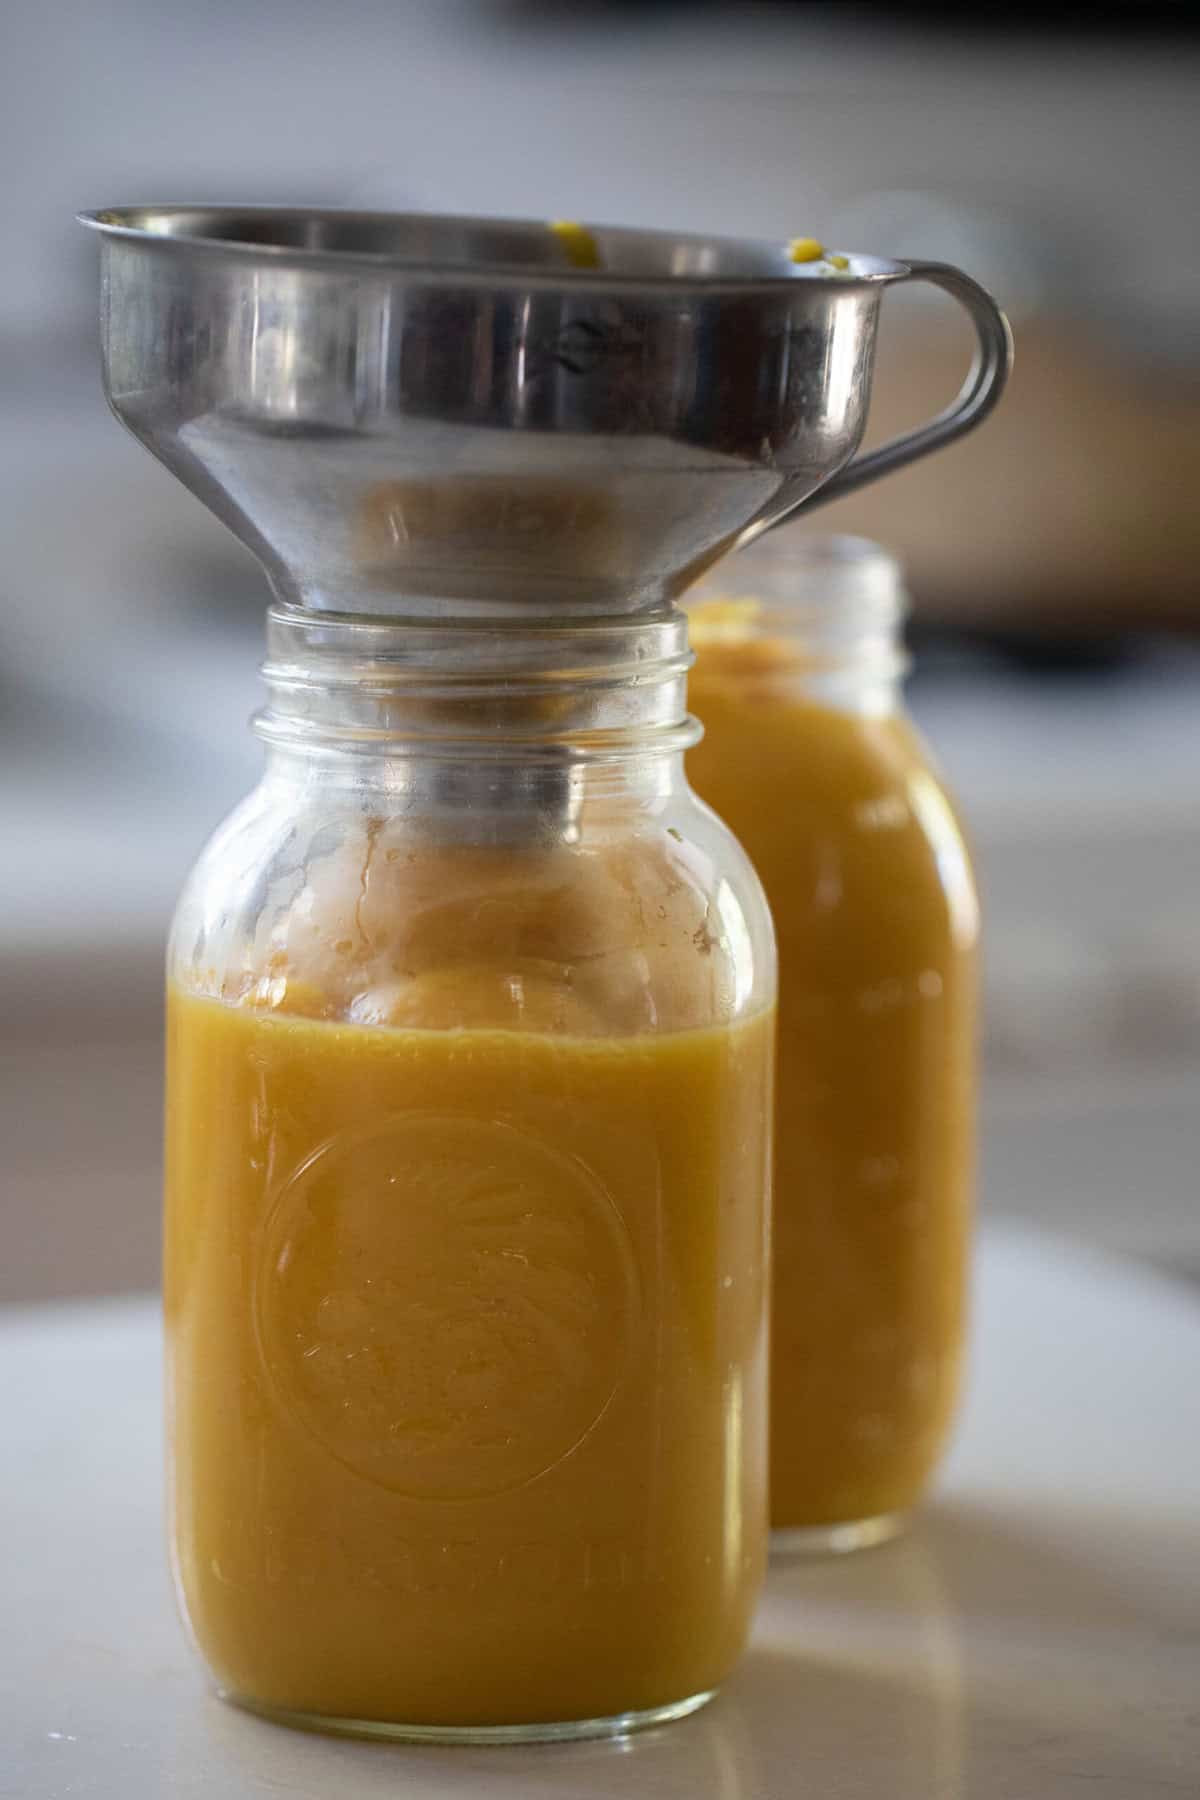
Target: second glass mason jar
<point>469,1092</point>
<point>809,756</point>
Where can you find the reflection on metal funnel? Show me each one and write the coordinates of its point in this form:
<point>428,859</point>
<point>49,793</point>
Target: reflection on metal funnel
<point>424,415</point>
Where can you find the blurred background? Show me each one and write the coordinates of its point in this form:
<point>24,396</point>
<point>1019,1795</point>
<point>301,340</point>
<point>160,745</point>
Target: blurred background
<point>1053,559</point>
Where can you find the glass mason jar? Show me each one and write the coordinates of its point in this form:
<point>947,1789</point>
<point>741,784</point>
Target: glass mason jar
<point>468,1122</point>
<point>808,755</point>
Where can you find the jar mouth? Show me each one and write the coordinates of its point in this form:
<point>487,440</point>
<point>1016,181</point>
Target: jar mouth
<point>833,606</point>
<point>832,579</point>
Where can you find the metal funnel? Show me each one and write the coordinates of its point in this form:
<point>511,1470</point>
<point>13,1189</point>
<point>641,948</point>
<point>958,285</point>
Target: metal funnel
<point>422,414</point>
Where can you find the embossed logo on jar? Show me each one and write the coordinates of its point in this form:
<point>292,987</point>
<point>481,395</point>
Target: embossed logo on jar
<point>445,1303</point>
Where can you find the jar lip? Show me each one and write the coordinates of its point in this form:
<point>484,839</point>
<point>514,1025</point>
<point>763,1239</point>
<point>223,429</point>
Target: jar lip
<point>823,576</point>
<point>479,648</point>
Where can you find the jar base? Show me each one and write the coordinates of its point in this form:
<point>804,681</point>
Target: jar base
<point>838,1538</point>
<point>555,1731</point>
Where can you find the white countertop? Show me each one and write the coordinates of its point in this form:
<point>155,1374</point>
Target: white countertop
<point>1037,1636</point>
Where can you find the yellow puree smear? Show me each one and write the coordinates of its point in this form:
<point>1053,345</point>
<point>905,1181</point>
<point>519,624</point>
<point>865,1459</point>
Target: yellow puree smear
<point>578,242</point>
<point>583,252</point>
<point>809,249</point>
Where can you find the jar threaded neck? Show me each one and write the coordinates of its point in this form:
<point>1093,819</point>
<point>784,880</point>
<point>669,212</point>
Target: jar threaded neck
<point>600,687</point>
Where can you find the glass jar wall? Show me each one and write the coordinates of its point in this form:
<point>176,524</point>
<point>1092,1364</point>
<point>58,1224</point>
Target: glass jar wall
<point>809,757</point>
<point>469,1093</point>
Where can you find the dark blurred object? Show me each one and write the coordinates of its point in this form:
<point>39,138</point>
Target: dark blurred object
<point>940,653</point>
<point>1109,18</point>
<point>1037,655</point>
<point>1112,17</point>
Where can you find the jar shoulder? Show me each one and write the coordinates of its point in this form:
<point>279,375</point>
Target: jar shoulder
<point>843,812</point>
<point>339,906</point>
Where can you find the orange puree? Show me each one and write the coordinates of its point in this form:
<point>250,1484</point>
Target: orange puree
<point>876,918</point>
<point>465,1323</point>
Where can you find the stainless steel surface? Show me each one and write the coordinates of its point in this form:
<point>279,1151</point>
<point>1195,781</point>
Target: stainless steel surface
<point>977,397</point>
<point>424,413</point>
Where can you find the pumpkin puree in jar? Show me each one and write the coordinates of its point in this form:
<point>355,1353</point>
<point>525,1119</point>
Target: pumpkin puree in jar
<point>464,1289</point>
<point>876,919</point>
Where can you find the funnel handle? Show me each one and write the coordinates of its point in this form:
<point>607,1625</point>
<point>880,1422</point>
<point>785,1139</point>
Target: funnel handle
<point>978,395</point>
